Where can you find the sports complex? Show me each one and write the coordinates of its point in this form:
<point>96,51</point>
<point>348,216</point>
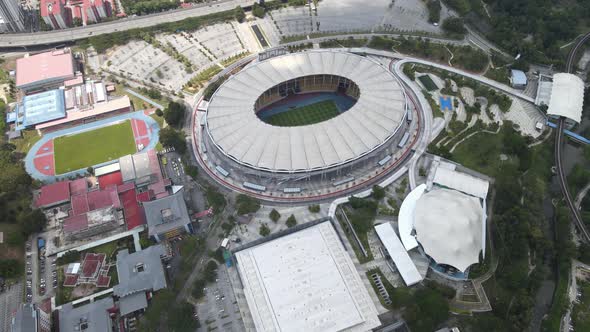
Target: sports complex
<point>306,124</point>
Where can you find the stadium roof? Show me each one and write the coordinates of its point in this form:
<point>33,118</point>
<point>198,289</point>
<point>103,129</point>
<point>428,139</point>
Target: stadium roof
<point>94,316</point>
<point>236,130</point>
<point>41,107</point>
<point>305,281</point>
<point>398,254</point>
<point>47,67</point>
<point>462,182</point>
<point>449,226</point>
<point>406,217</point>
<point>140,271</point>
<point>567,96</point>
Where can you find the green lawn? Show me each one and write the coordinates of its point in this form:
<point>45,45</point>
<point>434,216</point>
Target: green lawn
<point>306,115</point>
<point>89,148</point>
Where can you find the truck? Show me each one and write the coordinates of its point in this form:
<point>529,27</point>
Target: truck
<point>224,243</point>
<point>40,243</point>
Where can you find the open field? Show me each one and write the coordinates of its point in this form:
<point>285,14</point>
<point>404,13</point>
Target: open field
<point>93,147</point>
<point>306,115</point>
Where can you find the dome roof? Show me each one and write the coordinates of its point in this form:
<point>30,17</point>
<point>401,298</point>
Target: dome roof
<point>449,227</point>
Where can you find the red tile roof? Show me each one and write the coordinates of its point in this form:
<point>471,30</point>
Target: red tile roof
<point>134,214</point>
<point>53,194</point>
<point>99,199</point>
<point>80,204</point>
<point>79,186</point>
<point>92,264</point>
<point>110,179</point>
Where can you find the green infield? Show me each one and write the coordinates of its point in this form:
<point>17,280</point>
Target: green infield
<point>93,147</point>
<point>427,82</point>
<point>305,115</point>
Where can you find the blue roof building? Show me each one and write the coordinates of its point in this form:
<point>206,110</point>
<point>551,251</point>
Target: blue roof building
<point>518,79</point>
<point>40,107</point>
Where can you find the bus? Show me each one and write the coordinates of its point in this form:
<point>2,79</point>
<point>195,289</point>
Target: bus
<point>404,140</point>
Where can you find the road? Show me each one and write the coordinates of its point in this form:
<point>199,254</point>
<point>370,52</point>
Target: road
<point>24,40</point>
<point>558,151</point>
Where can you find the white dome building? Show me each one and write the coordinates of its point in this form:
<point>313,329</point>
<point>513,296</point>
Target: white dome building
<point>446,218</point>
<point>449,227</point>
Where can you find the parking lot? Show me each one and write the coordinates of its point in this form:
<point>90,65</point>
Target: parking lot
<point>219,309</point>
<point>172,166</point>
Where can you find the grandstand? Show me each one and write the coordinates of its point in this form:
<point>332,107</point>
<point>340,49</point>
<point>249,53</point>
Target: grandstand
<point>315,115</point>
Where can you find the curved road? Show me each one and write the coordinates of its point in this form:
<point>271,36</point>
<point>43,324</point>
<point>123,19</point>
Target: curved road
<point>61,36</point>
<point>558,148</point>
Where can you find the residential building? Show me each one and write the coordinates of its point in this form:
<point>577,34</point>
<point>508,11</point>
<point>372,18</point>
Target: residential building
<point>12,16</point>
<point>30,318</point>
<point>96,10</point>
<point>55,14</point>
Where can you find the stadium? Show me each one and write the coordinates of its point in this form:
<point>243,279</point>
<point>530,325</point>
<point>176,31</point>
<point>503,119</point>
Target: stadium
<point>304,124</point>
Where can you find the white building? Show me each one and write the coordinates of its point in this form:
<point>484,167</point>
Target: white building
<point>305,281</point>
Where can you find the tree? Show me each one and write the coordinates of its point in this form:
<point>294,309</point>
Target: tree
<point>174,114</point>
<point>378,192</point>
<point>314,208</point>
<point>211,271</point>
<point>264,230</point>
<point>217,255</point>
<point>159,112</point>
<point>239,14</point>
<point>434,8</point>
<point>246,204</point>
<point>454,25</point>
<point>192,171</point>
<point>274,215</point>
<point>258,10</point>
<point>172,138</point>
<point>291,221</point>
<point>90,170</point>
<point>198,287</point>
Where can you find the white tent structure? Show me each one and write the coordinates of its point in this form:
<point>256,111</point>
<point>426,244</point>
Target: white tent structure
<point>449,227</point>
<point>567,96</point>
<point>237,132</point>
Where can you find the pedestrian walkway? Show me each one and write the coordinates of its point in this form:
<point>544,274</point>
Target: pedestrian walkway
<point>147,100</point>
<point>40,163</point>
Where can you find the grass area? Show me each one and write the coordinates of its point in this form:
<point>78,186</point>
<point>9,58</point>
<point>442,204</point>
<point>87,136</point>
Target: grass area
<point>201,78</point>
<point>159,119</point>
<point>13,245</point>
<point>138,103</point>
<point>306,115</point>
<point>427,82</point>
<point>30,137</point>
<point>89,148</point>
<point>228,61</point>
<point>388,287</point>
<point>349,42</point>
<point>357,251</point>
<point>481,153</point>
<point>559,306</point>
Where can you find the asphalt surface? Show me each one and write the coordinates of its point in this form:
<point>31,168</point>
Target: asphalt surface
<point>63,36</point>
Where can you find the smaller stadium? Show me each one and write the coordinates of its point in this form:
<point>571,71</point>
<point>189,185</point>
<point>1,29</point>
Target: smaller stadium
<point>73,150</point>
<point>307,124</point>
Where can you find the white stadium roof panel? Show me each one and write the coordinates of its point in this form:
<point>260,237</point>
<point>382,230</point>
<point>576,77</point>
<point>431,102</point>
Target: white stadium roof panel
<point>305,281</point>
<point>376,116</point>
<point>405,219</point>
<point>398,254</point>
<point>567,96</point>
<point>462,182</point>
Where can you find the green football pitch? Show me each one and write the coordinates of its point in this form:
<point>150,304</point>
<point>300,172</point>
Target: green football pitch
<point>93,147</point>
<point>305,115</point>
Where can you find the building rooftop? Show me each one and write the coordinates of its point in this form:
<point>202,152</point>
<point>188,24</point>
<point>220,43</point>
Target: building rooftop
<point>41,107</point>
<point>166,213</point>
<point>449,226</point>
<point>567,96</point>
<point>305,281</point>
<point>53,194</point>
<point>518,77</point>
<point>140,271</point>
<point>462,182</point>
<point>237,132</point>
<point>25,319</point>
<point>132,303</point>
<point>93,316</point>
<point>398,254</point>
<point>44,67</point>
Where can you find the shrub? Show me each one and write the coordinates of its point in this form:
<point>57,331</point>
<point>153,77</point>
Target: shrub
<point>264,230</point>
<point>291,221</point>
<point>314,208</point>
<point>274,215</point>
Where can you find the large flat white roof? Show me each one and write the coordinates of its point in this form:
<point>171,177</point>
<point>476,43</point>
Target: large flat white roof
<point>237,132</point>
<point>462,182</point>
<point>305,281</point>
<point>567,96</point>
<point>398,254</point>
